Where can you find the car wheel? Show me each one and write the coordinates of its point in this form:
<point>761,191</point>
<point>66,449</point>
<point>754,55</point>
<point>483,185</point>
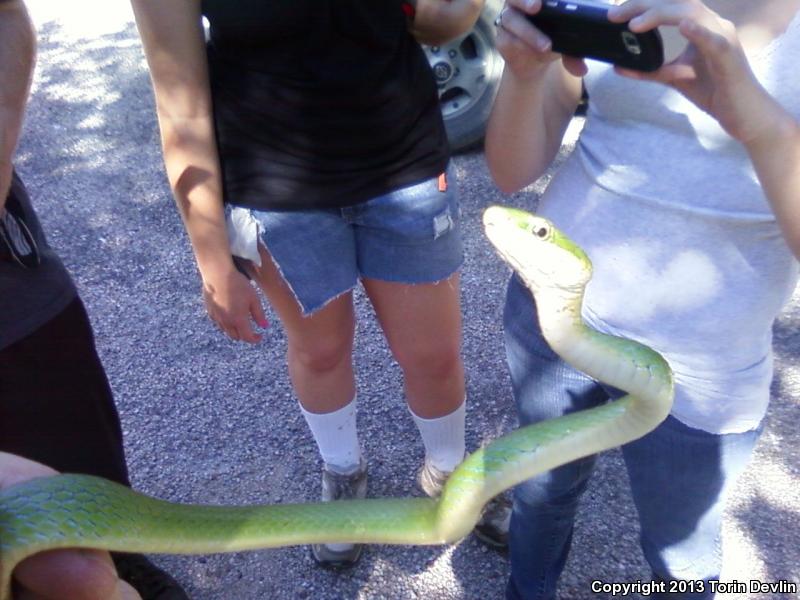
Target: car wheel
<point>467,72</point>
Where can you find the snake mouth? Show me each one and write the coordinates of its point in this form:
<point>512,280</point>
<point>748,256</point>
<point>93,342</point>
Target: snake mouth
<point>501,238</point>
<point>504,234</point>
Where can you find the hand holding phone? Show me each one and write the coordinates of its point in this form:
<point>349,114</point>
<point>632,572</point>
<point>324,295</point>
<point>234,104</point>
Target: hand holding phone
<point>581,28</point>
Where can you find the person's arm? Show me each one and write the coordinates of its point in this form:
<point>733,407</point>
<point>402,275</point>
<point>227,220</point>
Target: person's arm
<point>713,72</point>
<point>17,57</point>
<point>439,21</point>
<point>776,157</point>
<point>538,95</point>
<point>74,574</point>
<point>172,35</point>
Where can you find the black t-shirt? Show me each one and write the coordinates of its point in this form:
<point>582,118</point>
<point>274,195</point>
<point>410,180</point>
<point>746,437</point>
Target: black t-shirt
<point>30,297</point>
<point>320,103</point>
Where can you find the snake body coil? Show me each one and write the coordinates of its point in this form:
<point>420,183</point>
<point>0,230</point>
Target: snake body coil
<point>70,511</point>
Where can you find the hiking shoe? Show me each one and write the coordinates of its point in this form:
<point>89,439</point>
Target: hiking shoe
<point>151,582</point>
<point>492,528</point>
<point>431,480</point>
<point>336,486</point>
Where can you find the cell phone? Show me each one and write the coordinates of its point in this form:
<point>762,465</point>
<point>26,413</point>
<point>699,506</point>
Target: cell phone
<point>582,29</point>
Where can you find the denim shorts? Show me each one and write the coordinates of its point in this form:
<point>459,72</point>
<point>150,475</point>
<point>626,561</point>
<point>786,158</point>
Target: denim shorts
<point>411,235</point>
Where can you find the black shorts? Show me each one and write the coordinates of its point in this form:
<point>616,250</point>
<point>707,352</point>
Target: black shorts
<point>56,405</point>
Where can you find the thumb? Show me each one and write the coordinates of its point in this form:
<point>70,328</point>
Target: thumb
<point>126,592</point>
<point>714,47</point>
<point>74,574</point>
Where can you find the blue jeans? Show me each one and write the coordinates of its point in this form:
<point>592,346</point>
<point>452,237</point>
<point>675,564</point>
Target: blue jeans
<point>679,476</point>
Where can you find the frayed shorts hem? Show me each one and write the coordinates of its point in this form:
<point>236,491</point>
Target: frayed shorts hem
<point>409,236</point>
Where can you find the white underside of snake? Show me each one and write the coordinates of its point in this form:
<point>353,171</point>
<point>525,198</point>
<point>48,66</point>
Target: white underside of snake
<point>69,511</point>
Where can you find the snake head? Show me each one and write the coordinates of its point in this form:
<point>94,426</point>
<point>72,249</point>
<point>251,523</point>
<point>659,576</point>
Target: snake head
<point>537,250</point>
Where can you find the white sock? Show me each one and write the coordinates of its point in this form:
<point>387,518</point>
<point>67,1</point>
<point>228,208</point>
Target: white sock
<point>337,440</point>
<point>336,437</point>
<point>443,438</point>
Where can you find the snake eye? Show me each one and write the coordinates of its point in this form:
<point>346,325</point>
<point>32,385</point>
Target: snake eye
<point>541,232</point>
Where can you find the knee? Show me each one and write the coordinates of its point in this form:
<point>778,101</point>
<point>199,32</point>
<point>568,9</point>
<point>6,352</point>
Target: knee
<point>558,490</point>
<point>441,360</point>
<point>320,356</point>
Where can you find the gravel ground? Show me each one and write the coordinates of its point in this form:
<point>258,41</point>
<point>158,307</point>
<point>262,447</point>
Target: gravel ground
<point>208,420</point>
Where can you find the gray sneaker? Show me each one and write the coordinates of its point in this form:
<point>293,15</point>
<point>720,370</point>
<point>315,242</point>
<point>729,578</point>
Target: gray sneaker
<point>336,486</point>
<point>492,528</point>
<point>431,480</point>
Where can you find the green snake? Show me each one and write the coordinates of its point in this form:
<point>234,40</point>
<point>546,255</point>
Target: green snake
<point>70,511</point>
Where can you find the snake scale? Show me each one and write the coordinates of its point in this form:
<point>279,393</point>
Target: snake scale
<point>69,511</point>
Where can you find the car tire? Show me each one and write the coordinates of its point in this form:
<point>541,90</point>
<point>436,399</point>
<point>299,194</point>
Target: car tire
<point>467,72</point>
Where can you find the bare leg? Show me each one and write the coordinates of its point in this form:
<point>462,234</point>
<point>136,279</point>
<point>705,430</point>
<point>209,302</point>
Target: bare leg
<point>320,345</point>
<point>422,324</point>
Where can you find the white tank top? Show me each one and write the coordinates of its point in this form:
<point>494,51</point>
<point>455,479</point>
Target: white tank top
<point>688,256</point>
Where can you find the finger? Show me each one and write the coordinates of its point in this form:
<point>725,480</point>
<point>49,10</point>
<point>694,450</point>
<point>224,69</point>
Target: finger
<point>643,18</point>
<point>668,74</point>
<point>255,309</point>
<point>218,323</point>
<point>574,65</point>
<point>510,46</point>
<point>517,24</point>
<point>74,574</point>
<point>526,6</point>
<point>245,333</point>
<point>631,74</point>
<point>661,16</point>
<point>257,312</point>
<point>636,8</point>
<point>627,10</point>
<point>231,331</point>
<point>716,47</point>
<point>226,324</point>
<point>126,592</point>
<point>16,469</point>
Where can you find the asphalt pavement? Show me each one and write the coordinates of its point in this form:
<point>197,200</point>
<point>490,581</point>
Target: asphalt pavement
<point>207,420</point>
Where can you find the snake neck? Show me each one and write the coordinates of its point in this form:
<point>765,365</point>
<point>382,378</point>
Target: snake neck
<point>559,313</point>
<point>617,362</point>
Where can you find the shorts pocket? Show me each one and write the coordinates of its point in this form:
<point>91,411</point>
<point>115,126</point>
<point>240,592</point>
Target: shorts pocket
<point>416,214</point>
